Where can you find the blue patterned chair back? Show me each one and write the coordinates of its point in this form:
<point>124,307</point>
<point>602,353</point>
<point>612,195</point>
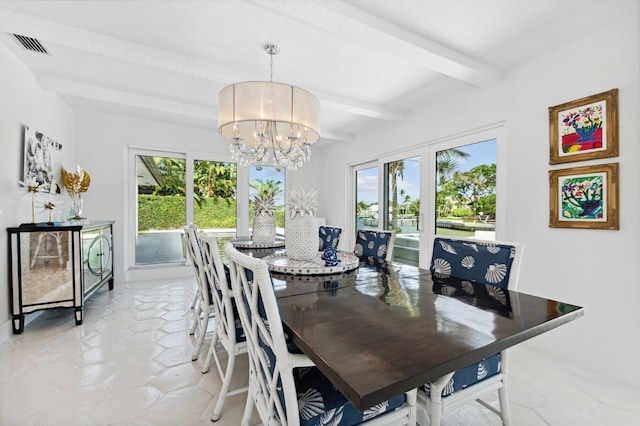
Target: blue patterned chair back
<point>375,244</point>
<point>329,236</point>
<point>486,262</point>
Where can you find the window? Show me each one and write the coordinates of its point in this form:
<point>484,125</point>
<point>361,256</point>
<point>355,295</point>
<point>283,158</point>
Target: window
<point>466,191</point>
<point>402,201</point>
<point>161,209</point>
<point>172,190</point>
<point>366,200</point>
<point>270,181</point>
<point>448,187</point>
<point>215,198</point>
<point>399,177</point>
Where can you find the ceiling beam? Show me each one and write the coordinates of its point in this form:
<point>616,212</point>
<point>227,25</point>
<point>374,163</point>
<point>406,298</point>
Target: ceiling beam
<point>87,41</point>
<point>106,94</point>
<point>368,30</point>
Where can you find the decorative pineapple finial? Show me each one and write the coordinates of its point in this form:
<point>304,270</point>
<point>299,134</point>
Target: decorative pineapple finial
<point>263,205</point>
<point>302,202</point>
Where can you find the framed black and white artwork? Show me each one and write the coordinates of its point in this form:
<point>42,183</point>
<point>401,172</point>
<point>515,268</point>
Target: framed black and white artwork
<point>42,161</point>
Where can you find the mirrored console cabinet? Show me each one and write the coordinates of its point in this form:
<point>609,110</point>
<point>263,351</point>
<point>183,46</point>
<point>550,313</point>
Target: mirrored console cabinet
<point>57,266</point>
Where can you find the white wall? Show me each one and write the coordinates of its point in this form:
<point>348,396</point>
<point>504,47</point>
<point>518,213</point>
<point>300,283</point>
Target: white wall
<point>591,268</point>
<point>22,103</point>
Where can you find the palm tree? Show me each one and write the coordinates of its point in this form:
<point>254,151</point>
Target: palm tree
<point>269,188</point>
<point>447,163</point>
<point>172,171</point>
<point>396,170</point>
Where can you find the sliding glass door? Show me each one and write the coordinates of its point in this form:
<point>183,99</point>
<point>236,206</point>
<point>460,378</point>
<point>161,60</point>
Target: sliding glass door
<point>402,204</point>
<point>215,198</point>
<point>387,196</point>
<point>367,184</point>
<point>161,208</point>
<point>175,189</point>
<point>466,190</point>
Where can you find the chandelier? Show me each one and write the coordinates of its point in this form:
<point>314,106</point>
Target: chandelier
<point>269,123</point>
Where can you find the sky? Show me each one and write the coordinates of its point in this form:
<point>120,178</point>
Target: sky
<point>268,173</point>
<point>481,153</point>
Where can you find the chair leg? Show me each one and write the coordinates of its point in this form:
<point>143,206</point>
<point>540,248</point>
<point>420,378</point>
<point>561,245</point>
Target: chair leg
<point>203,331</point>
<point>411,403</point>
<point>503,397</point>
<point>226,382</point>
<point>196,319</point>
<point>435,414</point>
<point>434,406</point>
<point>248,407</point>
<point>195,301</point>
<point>210,354</point>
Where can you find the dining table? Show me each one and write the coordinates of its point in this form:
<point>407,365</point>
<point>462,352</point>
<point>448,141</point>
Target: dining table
<point>385,328</point>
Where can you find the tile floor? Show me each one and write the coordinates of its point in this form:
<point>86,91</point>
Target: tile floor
<point>130,364</point>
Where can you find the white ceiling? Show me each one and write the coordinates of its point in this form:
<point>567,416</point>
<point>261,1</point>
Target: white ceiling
<point>366,60</point>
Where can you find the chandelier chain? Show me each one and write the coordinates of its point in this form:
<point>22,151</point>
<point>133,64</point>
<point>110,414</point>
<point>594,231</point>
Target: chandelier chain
<point>272,49</point>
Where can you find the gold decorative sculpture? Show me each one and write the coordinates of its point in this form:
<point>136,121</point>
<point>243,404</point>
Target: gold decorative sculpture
<point>76,183</point>
<point>32,187</point>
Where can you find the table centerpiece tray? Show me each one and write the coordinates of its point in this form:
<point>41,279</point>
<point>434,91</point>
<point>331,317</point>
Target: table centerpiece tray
<point>282,264</point>
<point>249,244</point>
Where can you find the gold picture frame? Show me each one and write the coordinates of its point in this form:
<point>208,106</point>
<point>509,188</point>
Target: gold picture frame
<point>584,129</point>
<point>584,197</point>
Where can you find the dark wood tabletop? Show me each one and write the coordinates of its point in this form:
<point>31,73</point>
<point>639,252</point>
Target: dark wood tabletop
<point>384,329</point>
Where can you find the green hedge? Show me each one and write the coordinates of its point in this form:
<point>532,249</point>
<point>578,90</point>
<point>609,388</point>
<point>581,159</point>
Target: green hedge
<point>169,212</point>
<point>462,211</point>
<point>161,212</point>
<point>215,214</point>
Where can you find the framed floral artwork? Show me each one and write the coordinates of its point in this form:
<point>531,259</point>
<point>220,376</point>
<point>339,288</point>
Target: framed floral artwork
<point>584,197</point>
<point>584,129</point>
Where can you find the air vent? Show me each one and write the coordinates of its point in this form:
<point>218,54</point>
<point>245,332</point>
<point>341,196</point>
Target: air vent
<point>31,44</point>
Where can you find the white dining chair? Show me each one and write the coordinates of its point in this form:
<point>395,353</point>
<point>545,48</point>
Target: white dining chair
<point>228,331</point>
<point>203,310</point>
<point>497,265</point>
<point>286,388</point>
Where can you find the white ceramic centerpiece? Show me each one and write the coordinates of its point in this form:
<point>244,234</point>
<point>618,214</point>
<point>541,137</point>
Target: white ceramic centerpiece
<point>264,225</point>
<point>301,236</point>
